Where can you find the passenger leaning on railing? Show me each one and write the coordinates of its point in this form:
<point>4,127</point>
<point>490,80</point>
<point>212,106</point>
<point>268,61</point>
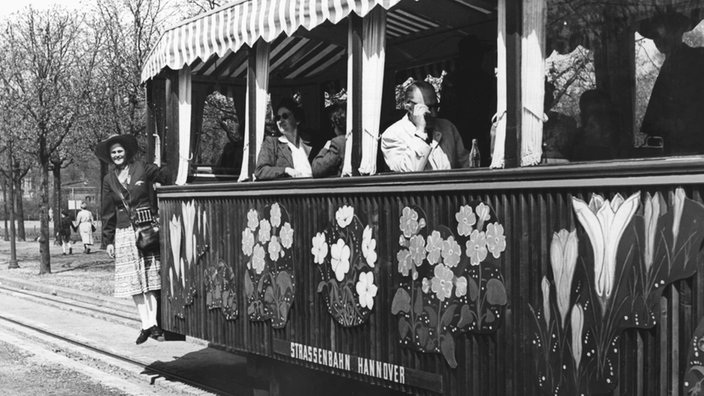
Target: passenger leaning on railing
<point>285,155</point>
<point>126,204</point>
<point>421,141</point>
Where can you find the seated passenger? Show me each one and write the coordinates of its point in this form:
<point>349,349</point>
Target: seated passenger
<point>421,141</point>
<point>331,157</point>
<point>559,131</point>
<point>676,106</point>
<point>231,156</point>
<point>285,155</point>
<point>597,138</point>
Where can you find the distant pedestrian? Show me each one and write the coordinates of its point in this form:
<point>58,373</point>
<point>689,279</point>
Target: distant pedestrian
<point>65,227</point>
<point>84,220</point>
<point>127,190</point>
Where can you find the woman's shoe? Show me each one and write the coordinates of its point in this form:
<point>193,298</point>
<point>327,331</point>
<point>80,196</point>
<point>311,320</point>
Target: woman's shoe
<point>143,336</point>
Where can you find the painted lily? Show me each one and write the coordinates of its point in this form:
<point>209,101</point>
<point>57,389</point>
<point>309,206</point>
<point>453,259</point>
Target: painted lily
<point>189,219</point>
<point>175,234</point>
<point>678,206</point>
<point>605,223</point>
<point>563,258</point>
<point>577,321</point>
<point>651,213</point>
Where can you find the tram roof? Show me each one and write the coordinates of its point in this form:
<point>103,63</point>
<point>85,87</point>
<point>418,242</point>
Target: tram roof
<point>417,31</point>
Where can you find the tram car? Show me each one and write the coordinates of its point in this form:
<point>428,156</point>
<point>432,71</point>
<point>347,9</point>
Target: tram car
<point>567,261</point>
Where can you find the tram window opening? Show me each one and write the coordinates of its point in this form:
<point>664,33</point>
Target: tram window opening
<point>631,80</point>
<point>221,140</point>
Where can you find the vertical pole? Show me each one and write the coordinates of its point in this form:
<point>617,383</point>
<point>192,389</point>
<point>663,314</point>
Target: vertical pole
<point>514,107</point>
<point>149,94</point>
<point>356,48</point>
<point>171,132</point>
<point>252,109</point>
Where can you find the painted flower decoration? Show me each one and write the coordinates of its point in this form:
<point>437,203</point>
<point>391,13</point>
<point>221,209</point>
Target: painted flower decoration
<point>344,216</point>
<point>426,285</point>
<point>678,198</point>
<point>320,248</point>
<point>563,258</point>
<point>275,215</point>
<point>417,249</point>
<point>465,220</point>
<point>275,249</point>
<point>461,286</point>
<point>476,247</point>
<point>258,258</point>
<point>340,262</point>
<point>286,235</point>
<point>495,239</point>
<point>409,223</point>
<point>605,223</point>
<point>264,231</point>
<point>442,282</point>
<point>404,261</point>
<point>369,246</point>
<point>483,213</point>
<point>247,241</point>
<point>434,247</point>
<point>252,220</point>
<point>451,252</point>
<point>366,289</point>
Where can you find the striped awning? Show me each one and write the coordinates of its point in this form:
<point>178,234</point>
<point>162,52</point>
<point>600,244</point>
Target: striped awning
<point>225,30</point>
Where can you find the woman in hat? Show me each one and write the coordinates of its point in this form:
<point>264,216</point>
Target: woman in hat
<point>128,189</point>
<point>84,219</point>
<point>285,155</point>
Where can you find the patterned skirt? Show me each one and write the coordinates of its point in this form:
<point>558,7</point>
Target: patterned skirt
<point>135,273</point>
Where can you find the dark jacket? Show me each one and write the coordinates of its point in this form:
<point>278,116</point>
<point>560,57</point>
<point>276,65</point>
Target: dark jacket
<point>138,194</point>
<point>330,159</point>
<point>65,227</point>
<point>274,157</point>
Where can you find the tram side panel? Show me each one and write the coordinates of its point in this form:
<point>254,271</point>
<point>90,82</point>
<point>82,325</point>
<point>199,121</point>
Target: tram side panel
<point>442,292</point>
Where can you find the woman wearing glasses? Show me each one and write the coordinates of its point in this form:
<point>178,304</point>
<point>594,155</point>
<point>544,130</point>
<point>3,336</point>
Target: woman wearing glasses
<point>285,155</point>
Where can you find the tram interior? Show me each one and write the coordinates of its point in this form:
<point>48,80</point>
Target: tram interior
<point>621,81</point>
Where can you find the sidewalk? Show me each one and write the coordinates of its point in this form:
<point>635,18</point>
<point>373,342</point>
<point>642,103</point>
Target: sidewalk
<point>88,278</point>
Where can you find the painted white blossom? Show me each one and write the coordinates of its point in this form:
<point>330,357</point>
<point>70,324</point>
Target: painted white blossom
<point>340,262</point>
<point>319,249</point>
<point>366,289</point>
<point>563,258</point>
<point>369,246</point>
<point>344,216</point>
<point>275,215</point>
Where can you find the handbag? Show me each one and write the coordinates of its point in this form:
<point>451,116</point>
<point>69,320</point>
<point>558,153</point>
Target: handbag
<point>146,227</point>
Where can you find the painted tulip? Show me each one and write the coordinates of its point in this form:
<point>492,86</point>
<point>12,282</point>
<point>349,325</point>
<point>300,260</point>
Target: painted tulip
<point>605,223</point>
<point>678,206</point>
<point>651,213</point>
<point>545,285</point>
<point>563,258</point>
<point>577,322</point>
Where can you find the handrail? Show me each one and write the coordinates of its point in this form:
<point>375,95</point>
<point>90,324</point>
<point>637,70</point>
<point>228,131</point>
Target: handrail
<point>636,172</point>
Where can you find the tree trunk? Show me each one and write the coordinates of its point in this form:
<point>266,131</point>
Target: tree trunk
<point>45,263</point>
<point>19,206</point>
<point>56,170</point>
<point>6,236</point>
<point>13,246</point>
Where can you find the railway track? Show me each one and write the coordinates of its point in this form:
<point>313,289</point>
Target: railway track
<point>77,346</point>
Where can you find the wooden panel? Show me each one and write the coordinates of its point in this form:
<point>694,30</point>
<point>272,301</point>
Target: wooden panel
<point>496,362</point>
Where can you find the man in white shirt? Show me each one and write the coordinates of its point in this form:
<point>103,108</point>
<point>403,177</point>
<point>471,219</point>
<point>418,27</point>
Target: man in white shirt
<point>421,141</point>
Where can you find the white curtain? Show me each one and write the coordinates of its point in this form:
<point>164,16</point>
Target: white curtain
<point>374,28</point>
<point>374,57</point>
<point>261,54</point>
<point>347,164</point>
<point>184,124</point>
<point>533,80</point>
<point>499,139</point>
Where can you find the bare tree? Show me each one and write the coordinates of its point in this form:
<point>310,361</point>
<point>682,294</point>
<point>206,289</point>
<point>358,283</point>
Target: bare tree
<point>49,65</point>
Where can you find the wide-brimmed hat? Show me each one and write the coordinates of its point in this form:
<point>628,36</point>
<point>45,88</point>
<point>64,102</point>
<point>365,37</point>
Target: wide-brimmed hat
<point>129,142</point>
<point>665,22</point>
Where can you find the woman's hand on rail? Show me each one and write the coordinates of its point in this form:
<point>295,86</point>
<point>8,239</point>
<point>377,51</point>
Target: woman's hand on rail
<point>292,172</point>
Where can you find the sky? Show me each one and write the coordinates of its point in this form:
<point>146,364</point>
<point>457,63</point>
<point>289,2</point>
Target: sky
<point>8,7</point>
